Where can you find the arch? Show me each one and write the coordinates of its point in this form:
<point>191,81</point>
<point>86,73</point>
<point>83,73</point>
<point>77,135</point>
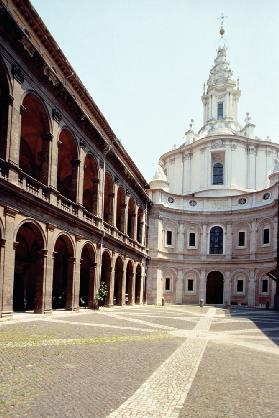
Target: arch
<point>216,240</point>
<point>29,269</point>
<point>138,287</point>
<point>131,218</point>
<point>62,286</point>
<point>218,173</point>
<point>4,100</point>
<point>67,165</point>
<point>34,138</point>
<point>140,223</point>
<point>118,282</point>
<point>120,209</point>
<point>90,184</point>
<point>129,283</point>
<point>108,198</point>
<point>214,288</point>
<point>106,275</point>
<point>87,276</point>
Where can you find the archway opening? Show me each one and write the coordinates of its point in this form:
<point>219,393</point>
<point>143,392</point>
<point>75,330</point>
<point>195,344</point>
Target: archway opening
<point>120,209</point>
<point>29,269</point>
<point>62,287</point>
<point>129,283</point>
<point>106,276</point>
<point>67,165</point>
<point>4,100</point>
<point>138,284</point>
<point>108,199</point>
<point>34,139</point>
<point>87,277</point>
<point>90,184</point>
<point>131,218</point>
<point>118,282</point>
<point>214,288</point>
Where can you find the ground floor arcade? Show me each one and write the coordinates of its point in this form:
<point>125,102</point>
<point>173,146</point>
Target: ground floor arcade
<point>43,268</point>
<point>226,284</point>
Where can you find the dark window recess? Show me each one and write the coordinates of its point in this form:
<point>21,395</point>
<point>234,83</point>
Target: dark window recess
<point>192,239</point>
<point>167,285</point>
<point>266,236</point>
<point>169,237</point>
<point>264,285</point>
<point>240,286</point>
<point>218,173</point>
<point>216,240</point>
<point>190,285</point>
<point>241,239</point>
<point>220,110</point>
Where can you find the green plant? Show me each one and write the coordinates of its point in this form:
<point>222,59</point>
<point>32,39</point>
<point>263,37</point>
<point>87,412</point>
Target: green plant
<point>102,292</point>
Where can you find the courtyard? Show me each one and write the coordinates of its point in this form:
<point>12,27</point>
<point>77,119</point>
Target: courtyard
<point>141,361</point>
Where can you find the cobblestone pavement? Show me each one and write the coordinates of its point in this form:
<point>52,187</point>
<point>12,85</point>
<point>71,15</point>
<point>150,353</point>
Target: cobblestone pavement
<point>147,361</point>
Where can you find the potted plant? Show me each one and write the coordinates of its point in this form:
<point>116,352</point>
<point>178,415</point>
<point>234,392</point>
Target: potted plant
<point>100,296</point>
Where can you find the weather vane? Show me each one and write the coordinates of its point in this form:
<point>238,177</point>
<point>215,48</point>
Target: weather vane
<point>221,18</point>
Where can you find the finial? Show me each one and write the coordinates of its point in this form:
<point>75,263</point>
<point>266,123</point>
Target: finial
<point>191,124</point>
<point>248,118</point>
<point>204,88</point>
<point>238,82</point>
<point>222,30</point>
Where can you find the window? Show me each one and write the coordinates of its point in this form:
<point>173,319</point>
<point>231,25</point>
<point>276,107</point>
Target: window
<point>190,285</point>
<point>168,284</point>
<point>241,239</point>
<point>266,236</point>
<point>218,173</point>
<point>192,239</point>
<point>239,286</point>
<point>169,237</point>
<point>265,286</point>
<point>216,240</point>
<point>220,110</point>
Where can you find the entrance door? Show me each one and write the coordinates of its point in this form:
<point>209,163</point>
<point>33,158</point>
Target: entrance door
<point>214,288</point>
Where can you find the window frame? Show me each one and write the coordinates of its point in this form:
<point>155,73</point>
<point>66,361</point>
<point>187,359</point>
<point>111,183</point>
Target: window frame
<point>236,279</point>
<point>165,285</point>
<point>265,228</point>
<point>214,176</point>
<point>190,292</point>
<point>261,286</point>
<point>172,238</point>
<point>223,241</point>
<point>218,108</point>
<point>245,239</point>
<point>192,247</point>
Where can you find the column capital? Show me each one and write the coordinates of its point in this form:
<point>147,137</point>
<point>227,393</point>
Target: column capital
<point>10,211</point>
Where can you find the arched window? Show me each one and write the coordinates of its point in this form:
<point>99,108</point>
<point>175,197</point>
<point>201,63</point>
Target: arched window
<point>216,240</point>
<point>218,173</point>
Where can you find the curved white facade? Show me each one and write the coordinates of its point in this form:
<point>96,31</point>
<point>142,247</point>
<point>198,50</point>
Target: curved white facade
<point>213,223</point>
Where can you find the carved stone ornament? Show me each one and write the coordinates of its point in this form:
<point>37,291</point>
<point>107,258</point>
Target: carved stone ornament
<point>217,144</point>
<point>82,143</point>
<point>17,73</point>
<point>242,201</point>
<point>170,199</point>
<point>27,45</point>
<point>252,150</point>
<point>101,163</point>
<point>266,196</point>
<point>56,115</point>
<point>233,147</point>
<point>188,155</point>
<point>193,203</point>
<point>50,74</point>
<point>128,193</point>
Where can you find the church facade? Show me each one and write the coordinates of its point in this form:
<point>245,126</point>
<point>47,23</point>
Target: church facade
<point>213,223</point>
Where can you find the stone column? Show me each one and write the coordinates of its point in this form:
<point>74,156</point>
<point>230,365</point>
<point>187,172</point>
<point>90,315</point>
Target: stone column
<point>2,256</point>
<point>80,180</point>
<point>71,297</point>
<point>253,240</point>
<point>179,287</point>
<point>53,160</point>
<point>136,223</point>
<point>202,287</point>
<point>114,206</point>
<point>228,242</point>
<point>49,265</point>
<point>251,289</point>
<point>14,124</point>
<point>204,242</point>
<point>227,288</point>
<point>100,205</point>
<point>110,294</point>
<point>76,277</point>
<point>124,280</point>
<point>75,180</point>
<point>9,262</point>
<point>127,197</point>
<point>154,286</point>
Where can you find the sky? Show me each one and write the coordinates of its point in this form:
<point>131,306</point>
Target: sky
<point>144,63</point>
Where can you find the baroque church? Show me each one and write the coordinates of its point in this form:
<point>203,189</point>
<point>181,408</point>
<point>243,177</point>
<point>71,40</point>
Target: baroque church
<point>213,223</point>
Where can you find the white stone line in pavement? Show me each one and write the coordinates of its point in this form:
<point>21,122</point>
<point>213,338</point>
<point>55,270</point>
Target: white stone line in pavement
<point>253,346</point>
<point>180,318</point>
<point>247,331</point>
<point>163,394</point>
<point>90,324</point>
<point>139,321</point>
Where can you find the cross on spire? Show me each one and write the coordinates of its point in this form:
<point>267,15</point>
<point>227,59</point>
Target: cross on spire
<point>221,18</point>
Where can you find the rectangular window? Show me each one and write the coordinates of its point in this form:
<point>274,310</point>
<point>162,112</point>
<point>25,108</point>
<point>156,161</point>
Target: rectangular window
<point>264,285</point>
<point>168,284</point>
<point>192,239</point>
<point>239,287</point>
<point>220,111</point>
<point>266,236</point>
<point>169,237</point>
<point>241,239</point>
<point>190,285</point>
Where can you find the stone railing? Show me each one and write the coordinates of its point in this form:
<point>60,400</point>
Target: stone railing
<point>33,186</point>
<point>4,169</point>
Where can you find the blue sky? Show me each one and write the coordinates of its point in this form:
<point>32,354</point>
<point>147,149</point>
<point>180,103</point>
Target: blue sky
<point>144,63</point>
